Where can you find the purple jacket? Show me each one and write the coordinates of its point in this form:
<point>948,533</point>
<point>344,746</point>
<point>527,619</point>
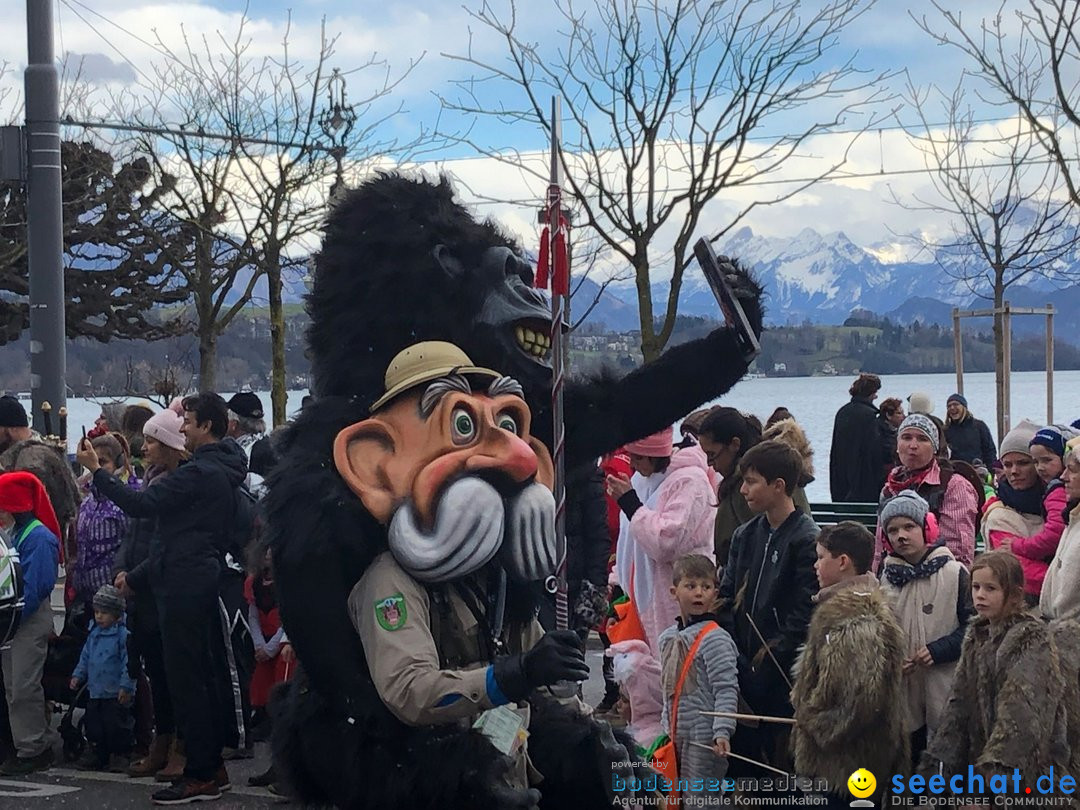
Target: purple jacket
<point>101,527</point>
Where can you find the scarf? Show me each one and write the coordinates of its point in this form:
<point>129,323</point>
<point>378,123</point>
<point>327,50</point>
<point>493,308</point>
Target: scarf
<point>901,478</point>
<point>901,575</point>
<point>1028,501</point>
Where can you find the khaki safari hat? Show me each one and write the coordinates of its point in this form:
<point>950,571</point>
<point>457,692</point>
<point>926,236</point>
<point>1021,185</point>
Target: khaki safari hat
<point>424,362</point>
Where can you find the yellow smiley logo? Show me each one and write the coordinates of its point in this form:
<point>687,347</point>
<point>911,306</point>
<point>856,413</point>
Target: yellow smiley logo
<point>861,783</point>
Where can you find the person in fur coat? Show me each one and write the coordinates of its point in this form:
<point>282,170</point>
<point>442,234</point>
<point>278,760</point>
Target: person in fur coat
<point>848,690</point>
<point>1008,707</point>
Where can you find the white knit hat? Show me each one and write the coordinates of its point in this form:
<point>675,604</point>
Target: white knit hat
<point>164,426</point>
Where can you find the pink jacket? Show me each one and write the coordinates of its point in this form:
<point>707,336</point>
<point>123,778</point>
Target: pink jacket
<point>638,673</point>
<point>1035,551</point>
<point>676,520</point>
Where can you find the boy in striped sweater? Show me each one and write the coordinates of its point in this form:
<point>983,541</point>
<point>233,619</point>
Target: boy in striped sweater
<point>709,683</point>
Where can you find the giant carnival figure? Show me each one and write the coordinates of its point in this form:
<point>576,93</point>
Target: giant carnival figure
<point>408,518</point>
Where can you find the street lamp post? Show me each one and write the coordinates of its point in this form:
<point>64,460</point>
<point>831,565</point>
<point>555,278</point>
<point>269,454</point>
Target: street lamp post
<point>336,122</point>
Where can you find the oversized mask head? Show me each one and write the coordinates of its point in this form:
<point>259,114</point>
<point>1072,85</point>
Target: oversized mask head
<point>447,463</point>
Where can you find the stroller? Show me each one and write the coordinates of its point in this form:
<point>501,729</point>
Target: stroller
<point>60,662</point>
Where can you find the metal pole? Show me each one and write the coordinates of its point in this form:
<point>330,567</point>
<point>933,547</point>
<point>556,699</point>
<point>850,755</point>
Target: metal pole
<point>45,243</point>
<point>554,200</point>
<point>1049,364</point>
<point>1006,400</point>
<point>958,351</point>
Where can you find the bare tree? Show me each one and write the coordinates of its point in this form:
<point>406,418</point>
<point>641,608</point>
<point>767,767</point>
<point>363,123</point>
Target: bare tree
<point>1010,218</point>
<point>251,202</point>
<point>665,102</point>
<point>1029,56</point>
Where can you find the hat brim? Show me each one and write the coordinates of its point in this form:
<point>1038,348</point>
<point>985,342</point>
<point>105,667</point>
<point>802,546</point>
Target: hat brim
<point>430,375</point>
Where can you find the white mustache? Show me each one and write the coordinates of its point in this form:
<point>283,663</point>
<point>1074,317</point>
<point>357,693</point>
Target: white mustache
<point>528,551</point>
<point>472,524</point>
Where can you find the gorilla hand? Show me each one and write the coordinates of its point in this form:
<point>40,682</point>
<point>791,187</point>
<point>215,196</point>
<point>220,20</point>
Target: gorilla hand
<point>747,290</point>
<point>556,657</point>
<point>612,756</point>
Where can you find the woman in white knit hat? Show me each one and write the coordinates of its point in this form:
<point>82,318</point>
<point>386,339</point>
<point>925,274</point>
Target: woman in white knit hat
<point>163,451</point>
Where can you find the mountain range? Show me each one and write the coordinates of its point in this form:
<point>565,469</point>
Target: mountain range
<point>823,277</point>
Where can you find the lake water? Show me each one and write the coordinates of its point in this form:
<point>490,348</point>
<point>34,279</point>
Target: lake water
<point>814,402</point>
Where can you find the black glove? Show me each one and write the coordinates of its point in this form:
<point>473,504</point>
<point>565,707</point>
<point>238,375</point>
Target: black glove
<point>556,657</point>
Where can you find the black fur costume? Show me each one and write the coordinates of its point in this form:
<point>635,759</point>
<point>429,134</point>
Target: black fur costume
<point>401,262</point>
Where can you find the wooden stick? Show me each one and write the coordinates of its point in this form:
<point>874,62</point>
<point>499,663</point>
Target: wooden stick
<point>746,759</point>
<point>768,649</point>
<point>788,721</point>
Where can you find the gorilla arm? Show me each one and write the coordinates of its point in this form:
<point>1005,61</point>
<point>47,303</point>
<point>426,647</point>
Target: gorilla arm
<point>603,413</point>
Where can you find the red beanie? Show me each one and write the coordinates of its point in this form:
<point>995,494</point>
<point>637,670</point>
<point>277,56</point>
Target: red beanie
<point>22,492</point>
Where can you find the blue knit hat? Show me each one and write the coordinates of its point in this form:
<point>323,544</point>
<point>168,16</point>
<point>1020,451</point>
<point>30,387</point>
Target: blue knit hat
<point>1054,438</point>
<point>957,398</point>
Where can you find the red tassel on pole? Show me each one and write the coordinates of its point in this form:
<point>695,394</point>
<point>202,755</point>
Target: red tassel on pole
<point>560,281</point>
<point>542,263</point>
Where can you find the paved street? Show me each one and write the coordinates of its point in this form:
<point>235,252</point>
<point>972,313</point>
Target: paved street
<point>69,788</point>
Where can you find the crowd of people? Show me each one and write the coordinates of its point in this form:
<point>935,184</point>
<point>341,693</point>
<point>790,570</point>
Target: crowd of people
<point>896,645</point>
<point>739,634</point>
<point>169,600</point>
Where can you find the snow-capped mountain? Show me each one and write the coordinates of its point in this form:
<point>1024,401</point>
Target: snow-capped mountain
<point>823,277</point>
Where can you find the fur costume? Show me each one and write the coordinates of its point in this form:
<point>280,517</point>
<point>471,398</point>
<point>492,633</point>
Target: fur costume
<point>849,692</point>
<point>1010,706</point>
<point>402,262</point>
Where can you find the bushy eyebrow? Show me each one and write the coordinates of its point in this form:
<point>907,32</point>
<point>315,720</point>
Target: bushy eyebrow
<point>506,386</point>
<point>438,389</point>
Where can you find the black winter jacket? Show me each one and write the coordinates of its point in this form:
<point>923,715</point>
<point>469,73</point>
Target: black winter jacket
<point>193,508</point>
<point>770,576</point>
<point>588,544</point>
<point>970,440</point>
<point>856,466</point>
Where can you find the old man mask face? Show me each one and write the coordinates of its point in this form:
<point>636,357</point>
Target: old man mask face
<point>457,478</point>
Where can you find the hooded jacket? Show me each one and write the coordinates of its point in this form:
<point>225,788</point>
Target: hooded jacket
<point>1009,706</point>
<point>193,507</point>
<point>856,468</point>
<point>1034,540</point>
<point>103,663</point>
<point>675,519</point>
<point>770,576</point>
<point>848,689</point>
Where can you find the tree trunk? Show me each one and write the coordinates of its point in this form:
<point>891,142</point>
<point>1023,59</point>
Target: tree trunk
<point>650,344</point>
<point>278,393</point>
<point>207,357</point>
<point>999,360</point>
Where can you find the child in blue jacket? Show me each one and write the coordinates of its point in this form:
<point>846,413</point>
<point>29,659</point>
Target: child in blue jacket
<point>103,666</point>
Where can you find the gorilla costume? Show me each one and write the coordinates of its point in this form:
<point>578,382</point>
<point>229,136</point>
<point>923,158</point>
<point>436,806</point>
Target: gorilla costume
<point>402,262</point>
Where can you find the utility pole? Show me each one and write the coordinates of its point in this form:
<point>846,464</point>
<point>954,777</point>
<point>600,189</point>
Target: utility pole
<point>45,237</point>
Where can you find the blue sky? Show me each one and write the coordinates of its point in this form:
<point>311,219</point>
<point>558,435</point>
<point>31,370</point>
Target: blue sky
<point>885,38</point>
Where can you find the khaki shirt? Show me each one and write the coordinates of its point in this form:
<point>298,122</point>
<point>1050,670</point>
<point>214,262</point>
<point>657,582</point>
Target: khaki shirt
<point>392,613</point>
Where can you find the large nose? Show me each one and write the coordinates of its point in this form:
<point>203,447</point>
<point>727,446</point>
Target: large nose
<point>503,452</point>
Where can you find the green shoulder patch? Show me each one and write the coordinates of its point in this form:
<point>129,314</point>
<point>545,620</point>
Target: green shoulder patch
<point>391,612</point>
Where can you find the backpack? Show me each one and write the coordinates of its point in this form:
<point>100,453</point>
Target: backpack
<point>244,528</point>
<point>11,589</point>
<point>951,467</point>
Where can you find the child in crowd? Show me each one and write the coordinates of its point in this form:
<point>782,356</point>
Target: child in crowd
<point>1060,597</point>
<point>103,667</point>
<point>848,692</point>
<point>274,660</point>
<point>1008,707</point>
<point>767,590</point>
<point>699,672</point>
<point>1035,549</point>
<point>101,525</point>
<point>931,596</point>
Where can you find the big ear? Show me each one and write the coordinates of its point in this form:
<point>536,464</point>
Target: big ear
<point>448,261</point>
<point>361,454</point>
<point>545,467</point>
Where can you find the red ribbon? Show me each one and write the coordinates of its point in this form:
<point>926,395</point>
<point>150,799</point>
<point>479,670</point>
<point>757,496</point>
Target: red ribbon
<point>542,263</point>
